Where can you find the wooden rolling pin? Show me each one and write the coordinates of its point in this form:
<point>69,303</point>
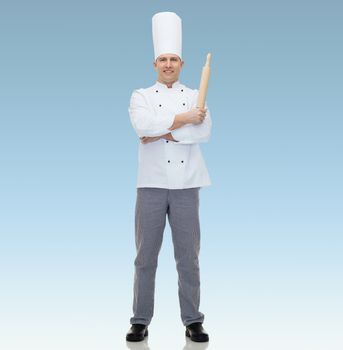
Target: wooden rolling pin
<point>205,76</point>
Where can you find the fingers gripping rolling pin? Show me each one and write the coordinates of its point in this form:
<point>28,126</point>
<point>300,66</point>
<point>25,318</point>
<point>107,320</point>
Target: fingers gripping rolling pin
<point>205,76</point>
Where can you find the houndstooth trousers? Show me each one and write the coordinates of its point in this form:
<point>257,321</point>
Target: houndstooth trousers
<point>182,208</point>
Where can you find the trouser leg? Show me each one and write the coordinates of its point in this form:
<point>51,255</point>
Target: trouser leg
<point>183,216</point>
<point>150,220</point>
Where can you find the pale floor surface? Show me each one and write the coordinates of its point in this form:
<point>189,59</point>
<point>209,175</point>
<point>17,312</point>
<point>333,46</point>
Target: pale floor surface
<point>234,330</point>
<point>107,337</point>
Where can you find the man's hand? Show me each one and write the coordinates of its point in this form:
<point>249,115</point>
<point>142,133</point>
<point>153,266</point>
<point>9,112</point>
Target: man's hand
<point>195,115</point>
<point>169,137</point>
<point>147,139</point>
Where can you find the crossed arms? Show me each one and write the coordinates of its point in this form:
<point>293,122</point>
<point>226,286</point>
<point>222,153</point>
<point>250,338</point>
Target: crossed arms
<point>189,127</point>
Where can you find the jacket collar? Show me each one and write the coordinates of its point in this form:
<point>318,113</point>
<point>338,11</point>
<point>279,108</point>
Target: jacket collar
<point>163,86</point>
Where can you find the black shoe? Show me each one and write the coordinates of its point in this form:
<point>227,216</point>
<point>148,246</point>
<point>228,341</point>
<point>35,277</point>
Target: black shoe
<point>196,332</point>
<point>137,332</point>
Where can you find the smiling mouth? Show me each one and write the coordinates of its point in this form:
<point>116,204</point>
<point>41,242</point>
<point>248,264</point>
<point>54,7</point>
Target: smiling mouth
<point>168,71</point>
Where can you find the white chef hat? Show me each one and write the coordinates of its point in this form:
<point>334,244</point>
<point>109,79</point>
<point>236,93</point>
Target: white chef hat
<point>167,33</point>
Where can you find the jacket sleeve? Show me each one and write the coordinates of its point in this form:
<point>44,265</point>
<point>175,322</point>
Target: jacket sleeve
<point>194,133</point>
<point>144,119</point>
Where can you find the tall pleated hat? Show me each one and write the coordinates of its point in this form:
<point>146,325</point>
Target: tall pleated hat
<point>167,34</point>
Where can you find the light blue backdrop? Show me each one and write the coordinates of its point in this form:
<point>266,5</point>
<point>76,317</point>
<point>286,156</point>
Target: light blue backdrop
<point>271,254</point>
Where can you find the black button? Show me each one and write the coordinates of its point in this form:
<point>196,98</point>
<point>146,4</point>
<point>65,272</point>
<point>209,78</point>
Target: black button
<point>160,105</point>
<point>181,161</point>
<point>167,141</point>
<point>156,90</point>
<point>184,104</point>
<point>181,90</point>
<point>168,161</point>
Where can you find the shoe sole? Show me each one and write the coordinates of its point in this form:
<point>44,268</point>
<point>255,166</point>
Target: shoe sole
<point>196,340</point>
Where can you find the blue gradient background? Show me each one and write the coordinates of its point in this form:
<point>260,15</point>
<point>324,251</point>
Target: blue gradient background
<point>271,255</point>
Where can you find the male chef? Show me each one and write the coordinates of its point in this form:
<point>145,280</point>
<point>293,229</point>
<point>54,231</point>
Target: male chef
<point>171,170</point>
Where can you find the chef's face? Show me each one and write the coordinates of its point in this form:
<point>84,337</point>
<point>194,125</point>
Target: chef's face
<point>168,67</point>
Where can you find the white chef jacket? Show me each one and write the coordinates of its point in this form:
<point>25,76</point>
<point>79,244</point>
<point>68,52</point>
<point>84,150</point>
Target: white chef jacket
<point>163,163</point>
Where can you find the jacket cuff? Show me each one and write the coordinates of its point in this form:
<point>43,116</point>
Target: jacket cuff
<point>168,121</point>
<point>181,134</point>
